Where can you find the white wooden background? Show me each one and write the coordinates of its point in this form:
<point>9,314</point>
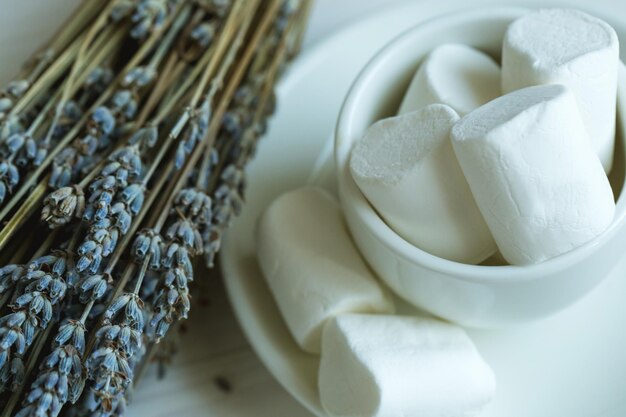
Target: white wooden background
<point>214,346</point>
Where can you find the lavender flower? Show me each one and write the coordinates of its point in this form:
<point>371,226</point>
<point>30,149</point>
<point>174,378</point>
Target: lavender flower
<point>96,83</point>
<point>113,202</point>
<point>60,376</point>
<point>196,129</point>
<point>6,104</point>
<point>139,77</point>
<point>79,155</point>
<point>146,137</point>
<point>204,33</point>
<point>109,365</point>
<point>148,244</point>
<point>43,285</point>
<point>17,88</point>
<point>149,15</point>
<point>236,121</point>
<point>104,125</point>
<point>229,194</point>
<point>10,126</point>
<point>10,94</point>
<point>9,178</point>
<point>171,295</point>
<point>71,115</point>
<point>172,299</point>
<point>93,287</point>
<point>62,205</point>
<point>9,276</point>
<point>212,238</point>
<point>21,148</point>
<point>194,204</point>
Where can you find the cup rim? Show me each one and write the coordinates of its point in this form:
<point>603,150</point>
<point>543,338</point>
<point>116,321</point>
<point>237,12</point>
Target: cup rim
<point>349,192</point>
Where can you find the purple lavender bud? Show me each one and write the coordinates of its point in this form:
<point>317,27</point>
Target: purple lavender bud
<point>105,120</point>
<point>15,142</point>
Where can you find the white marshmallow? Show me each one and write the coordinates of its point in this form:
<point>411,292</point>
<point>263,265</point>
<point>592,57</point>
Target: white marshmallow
<point>464,78</point>
<point>559,46</point>
<point>392,366</point>
<point>406,167</point>
<point>532,169</point>
<point>312,267</point>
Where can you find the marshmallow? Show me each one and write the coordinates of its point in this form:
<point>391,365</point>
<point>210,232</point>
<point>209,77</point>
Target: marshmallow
<point>558,46</point>
<point>388,366</point>
<point>464,78</point>
<point>532,169</point>
<point>312,267</point>
<point>406,167</point>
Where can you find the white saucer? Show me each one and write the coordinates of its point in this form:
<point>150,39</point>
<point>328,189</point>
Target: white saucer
<point>573,364</point>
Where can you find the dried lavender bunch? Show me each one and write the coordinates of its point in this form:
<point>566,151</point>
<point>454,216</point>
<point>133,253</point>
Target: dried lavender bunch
<point>140,127</point>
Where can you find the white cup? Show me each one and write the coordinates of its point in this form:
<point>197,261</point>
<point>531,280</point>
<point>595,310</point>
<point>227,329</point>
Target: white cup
<point>472,295</point>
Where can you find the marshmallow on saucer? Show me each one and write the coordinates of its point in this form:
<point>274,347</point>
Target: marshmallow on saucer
<point>560,46</point>
<point>383,366</point>
<point>531,167</point>
<point>406,167</point>
<point>462,77</point>
<point>311,265</point>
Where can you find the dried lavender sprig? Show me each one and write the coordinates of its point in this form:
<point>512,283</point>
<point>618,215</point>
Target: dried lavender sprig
<point>117,341</point>
<point>28,97</point>
<point>61,374</point>
<point>171,300</point>
<point>26,370</point>
<point>193,211</point>
<point>116,197</point>
<point>96,397</point>
<point>101,283</point>
<point>47,86</point>
<point>45,281</point>
<point>72,79</point>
